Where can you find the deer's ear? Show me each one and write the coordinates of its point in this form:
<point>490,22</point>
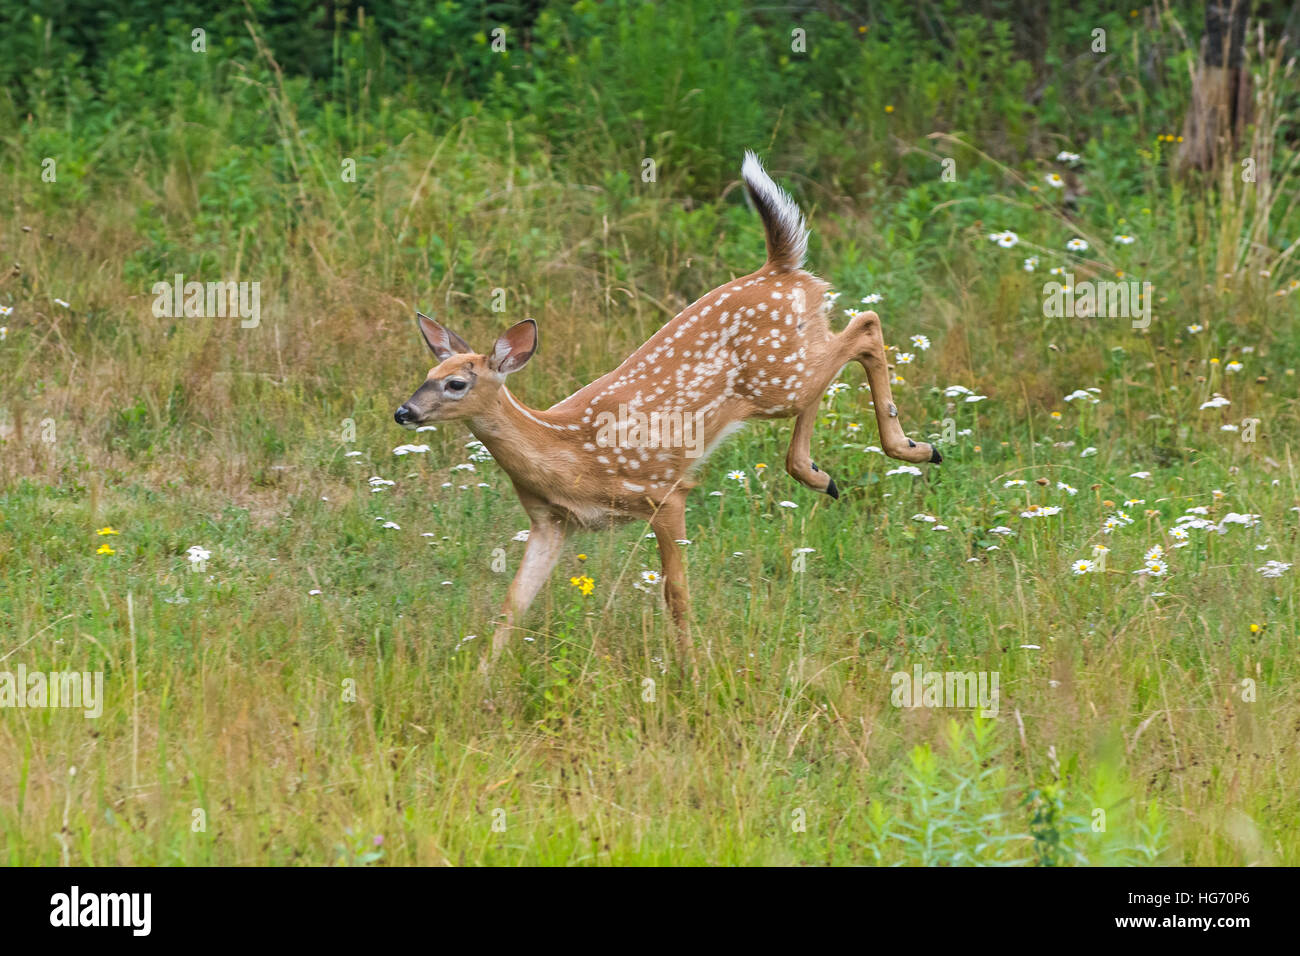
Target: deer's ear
<point>443,343</point>
<point>515,347</point>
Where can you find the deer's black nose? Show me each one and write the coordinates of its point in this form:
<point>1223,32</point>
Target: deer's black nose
<point>403,415</point>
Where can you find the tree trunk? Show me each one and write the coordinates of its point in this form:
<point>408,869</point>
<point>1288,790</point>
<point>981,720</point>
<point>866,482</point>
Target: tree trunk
<point>1221,89</point>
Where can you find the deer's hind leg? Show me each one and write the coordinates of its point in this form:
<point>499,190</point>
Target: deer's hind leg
<point>869,348</point>
<point>798,459</point>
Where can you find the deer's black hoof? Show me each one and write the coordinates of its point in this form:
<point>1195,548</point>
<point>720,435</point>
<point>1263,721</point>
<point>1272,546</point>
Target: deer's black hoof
<point>832,490</point>
<point>935,457</point>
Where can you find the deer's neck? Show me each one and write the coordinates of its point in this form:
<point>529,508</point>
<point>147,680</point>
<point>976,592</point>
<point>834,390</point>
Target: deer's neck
<point>531,445</point>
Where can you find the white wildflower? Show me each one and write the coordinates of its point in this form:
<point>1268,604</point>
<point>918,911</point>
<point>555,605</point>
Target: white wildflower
<point>1274,569</point>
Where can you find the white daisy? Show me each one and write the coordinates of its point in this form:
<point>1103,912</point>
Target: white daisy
<point>1247,521</point>
<point>1156,567</point>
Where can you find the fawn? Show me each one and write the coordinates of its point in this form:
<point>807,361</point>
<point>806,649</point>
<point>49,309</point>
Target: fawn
<point>759,346</point>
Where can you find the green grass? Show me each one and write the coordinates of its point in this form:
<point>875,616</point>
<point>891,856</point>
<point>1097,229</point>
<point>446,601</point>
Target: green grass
<point>1141,720</point>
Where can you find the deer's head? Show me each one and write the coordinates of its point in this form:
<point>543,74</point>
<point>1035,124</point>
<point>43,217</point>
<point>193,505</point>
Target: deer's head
<point>464,384</point>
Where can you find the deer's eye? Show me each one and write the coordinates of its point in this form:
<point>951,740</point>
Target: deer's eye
<point>456,385</point>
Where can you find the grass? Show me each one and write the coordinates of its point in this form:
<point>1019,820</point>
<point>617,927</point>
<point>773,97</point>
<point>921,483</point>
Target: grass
<point>248,720</point>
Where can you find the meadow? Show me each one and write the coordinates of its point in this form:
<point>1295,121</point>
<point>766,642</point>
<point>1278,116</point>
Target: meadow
<point>289,608</point>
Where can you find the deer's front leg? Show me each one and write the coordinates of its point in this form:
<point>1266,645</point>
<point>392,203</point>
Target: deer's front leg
<point>669,526</point>
<point>798,460</point>
<point>869,349</point>
<point>546,539</point>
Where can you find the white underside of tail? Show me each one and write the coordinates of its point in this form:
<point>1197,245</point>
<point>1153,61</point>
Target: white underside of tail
<point>789,226</point>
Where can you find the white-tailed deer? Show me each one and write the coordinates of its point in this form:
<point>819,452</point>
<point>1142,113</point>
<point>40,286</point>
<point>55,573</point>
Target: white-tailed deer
<point>627,446</point>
